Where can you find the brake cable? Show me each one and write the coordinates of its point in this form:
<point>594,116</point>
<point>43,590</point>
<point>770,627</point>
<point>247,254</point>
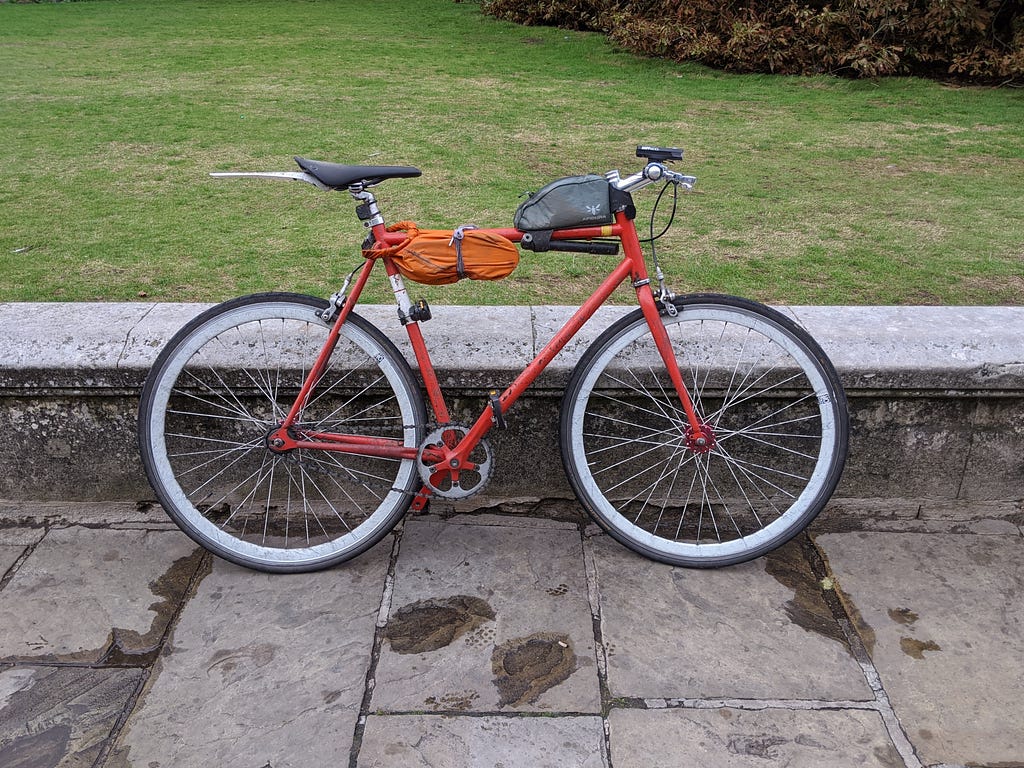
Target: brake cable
<point>665,296</point>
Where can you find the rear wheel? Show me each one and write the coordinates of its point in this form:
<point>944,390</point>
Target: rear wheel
<point>225,382</point>
<point>772,414</point>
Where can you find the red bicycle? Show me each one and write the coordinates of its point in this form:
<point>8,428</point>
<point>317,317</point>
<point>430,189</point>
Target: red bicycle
<point>287,433</point>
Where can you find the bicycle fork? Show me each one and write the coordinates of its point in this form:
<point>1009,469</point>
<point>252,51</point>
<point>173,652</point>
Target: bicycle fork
<point>699,435</point>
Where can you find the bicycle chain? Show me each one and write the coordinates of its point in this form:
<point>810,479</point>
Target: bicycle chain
<point>316,467</point>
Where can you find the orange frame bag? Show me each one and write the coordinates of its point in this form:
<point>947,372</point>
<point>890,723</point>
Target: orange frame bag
<point>443,256</point>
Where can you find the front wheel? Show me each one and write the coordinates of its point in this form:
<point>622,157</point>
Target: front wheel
<point>773,420</point>
<point>223,385</point>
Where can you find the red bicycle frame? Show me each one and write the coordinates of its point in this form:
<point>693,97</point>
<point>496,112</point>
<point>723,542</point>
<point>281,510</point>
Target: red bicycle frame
<point>454,458</point>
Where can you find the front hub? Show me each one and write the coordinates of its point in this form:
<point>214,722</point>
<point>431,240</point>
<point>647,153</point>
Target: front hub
<point>702,440</point>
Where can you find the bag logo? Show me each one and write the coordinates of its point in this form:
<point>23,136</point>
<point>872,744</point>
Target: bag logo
<point>593,210</point>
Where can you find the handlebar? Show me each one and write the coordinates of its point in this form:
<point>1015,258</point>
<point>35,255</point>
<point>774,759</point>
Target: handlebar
<point>651,173</point>
<point>655,170</point>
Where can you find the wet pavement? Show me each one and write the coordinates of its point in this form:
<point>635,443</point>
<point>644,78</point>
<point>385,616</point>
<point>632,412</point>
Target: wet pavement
<point>488,639</point>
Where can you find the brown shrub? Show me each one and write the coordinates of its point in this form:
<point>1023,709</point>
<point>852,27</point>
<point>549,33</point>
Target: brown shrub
<point>977,40</point>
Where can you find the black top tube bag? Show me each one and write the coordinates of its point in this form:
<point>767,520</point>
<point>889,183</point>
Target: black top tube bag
<point>574,201</point>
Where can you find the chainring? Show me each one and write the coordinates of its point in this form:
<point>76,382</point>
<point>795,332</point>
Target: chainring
<point>445,482</point>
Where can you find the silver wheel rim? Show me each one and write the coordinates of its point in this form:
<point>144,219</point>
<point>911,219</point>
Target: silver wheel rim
<point>303,495</point>
<point>682,470</point>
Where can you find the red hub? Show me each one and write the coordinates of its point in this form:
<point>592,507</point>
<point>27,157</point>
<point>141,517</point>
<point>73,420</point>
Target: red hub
<point>279,441</point>
<point>700,441</point>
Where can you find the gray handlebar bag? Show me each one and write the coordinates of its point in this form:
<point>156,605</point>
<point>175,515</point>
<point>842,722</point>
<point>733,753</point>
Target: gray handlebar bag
<point>575,201</point>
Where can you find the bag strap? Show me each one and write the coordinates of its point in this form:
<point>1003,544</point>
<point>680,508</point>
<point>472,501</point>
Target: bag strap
<point>411,228</point>
<point>457,235</point>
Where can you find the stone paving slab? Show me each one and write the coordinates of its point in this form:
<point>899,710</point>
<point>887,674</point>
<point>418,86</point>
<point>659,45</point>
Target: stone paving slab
<point>21,536</point>
<point>760,630</point>
<point>261,670</point>
<point>861,515</point>
<point>57,514</point>
<point>942,616</point>
<point>433,741</point>
<point>85,592</point>
<point>733,738</point>
<point>488,617</point>
<point>60,716</point>
<point>738,667</point>
<point>9,554</point>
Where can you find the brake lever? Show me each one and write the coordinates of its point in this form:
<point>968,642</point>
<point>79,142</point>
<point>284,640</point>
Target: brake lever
<point>681,180</point>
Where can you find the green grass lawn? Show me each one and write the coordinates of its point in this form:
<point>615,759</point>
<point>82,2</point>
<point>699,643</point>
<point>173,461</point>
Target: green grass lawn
<point>812,190</point>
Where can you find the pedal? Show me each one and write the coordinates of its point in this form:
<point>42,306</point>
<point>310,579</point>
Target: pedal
<point>496,414</point>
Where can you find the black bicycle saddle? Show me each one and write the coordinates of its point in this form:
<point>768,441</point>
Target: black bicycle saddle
<point>343,176</point>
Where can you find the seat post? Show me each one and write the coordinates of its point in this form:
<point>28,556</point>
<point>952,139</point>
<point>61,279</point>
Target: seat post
<point>366,208</point>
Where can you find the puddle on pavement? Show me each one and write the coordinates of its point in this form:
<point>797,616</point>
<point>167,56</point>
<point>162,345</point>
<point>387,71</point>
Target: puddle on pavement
<point>452,702</point>
<point>61,715</point>
<point>915,649</point>
<point>911,646</point>
<point>903,616</point>
<point>865,631</point>
<point>525,667</point>
<point>888,757</point>
<point>128,646</point>
<point>48,747</point>
<point>808,608</point>
<point>763,747</point>
<point>429,625</point>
